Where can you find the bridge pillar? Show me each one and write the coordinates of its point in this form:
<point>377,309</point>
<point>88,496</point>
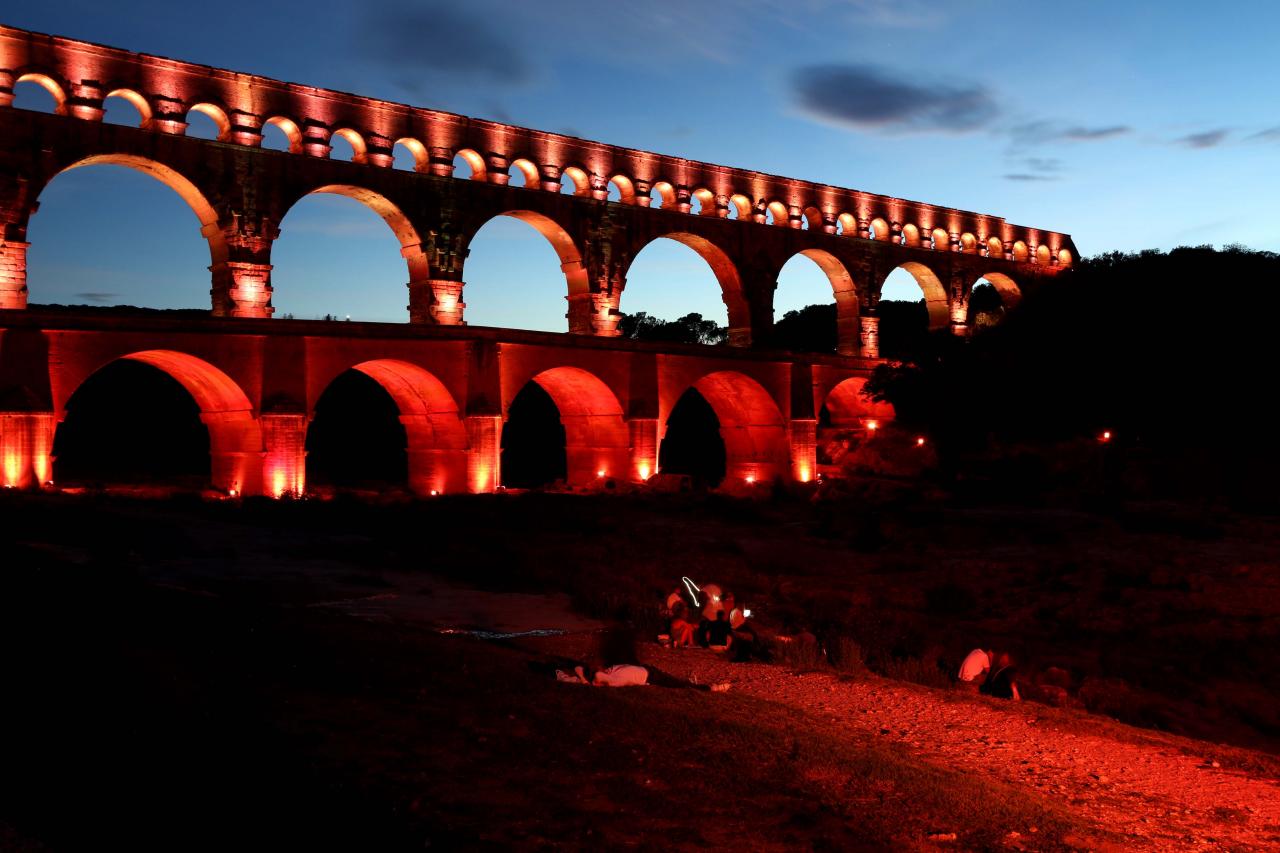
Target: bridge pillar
<point>484,458</point>
<point>437,461</point>
<point>803,437</point>
<point>644,447</point>
<point>848,327</point>
<point>581,314</point>
<point>235,452</point>
<point>246,129</point>
<point>6,88</point>
<point>870,336</point>
<point>596,447</point>
<point>959,306</point>
<point>26,445</point>
<point>85,100</point>
<point>250,288</point>
<point>168,116</point>
<point>13,273</point>
<point>284,467</point>
<point>594,314</point>
<point>436,302</point>
<point>242,282</point>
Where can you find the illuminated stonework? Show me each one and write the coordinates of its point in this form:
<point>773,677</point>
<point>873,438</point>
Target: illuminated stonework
<point>454,385</point>
<point>241,193</point>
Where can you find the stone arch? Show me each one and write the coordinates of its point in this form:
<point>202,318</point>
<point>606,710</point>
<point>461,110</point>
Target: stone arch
<point>968,244</point>
<point>751,424</point>
<point>995,248</point>
<point>474,161</point>
<point>138,102</point>
<point>597,439</point>
<point>626,188</point>
<point>847,225</point>
<point>290,129</point>
<point>706,200</point>
<point>665,193</point>
<point>528,170</point>
<point>1042,255</point>
<point>846,407</point>
<point>846,298</point>
<point>813,218</point>
<point>976,315</point>
<point>186,190</point>
<point>421,157</point>
<point>436,435</point>
<point>360,151</point>
<point>566,249</point>
<point>777,212</point>
<point>1064,257</point>
<point>219,116</point>
<point>578,178</point>
<point>1010,292</point>
<point>941,240</point>
<point>1020,252</point>
<point>50,85</point>
<point>910,235</point>
<point>410,241</point>
<point>726,273</point>
<point>741,206</point>
<point>235,438</point>
<point>878,230</point>
<point>935,295</point>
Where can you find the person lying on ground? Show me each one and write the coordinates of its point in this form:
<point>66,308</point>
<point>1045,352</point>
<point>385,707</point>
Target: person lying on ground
<point>632,675</point>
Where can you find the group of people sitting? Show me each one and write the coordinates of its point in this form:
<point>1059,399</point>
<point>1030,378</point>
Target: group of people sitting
<point>985,672</point>
<point>719,624</point>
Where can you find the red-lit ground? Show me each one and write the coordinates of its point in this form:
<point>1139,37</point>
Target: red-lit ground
<point>183,675</point>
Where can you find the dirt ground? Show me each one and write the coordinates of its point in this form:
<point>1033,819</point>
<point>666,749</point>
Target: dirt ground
<point>202,676</point>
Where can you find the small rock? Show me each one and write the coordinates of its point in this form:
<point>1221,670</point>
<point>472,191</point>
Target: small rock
<point>943,836</point>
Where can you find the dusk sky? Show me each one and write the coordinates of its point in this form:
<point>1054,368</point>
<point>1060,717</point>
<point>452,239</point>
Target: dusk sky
<point>1127,125</point>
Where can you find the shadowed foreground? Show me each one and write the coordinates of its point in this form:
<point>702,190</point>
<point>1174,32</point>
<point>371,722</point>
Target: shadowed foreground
<point>210,675</point>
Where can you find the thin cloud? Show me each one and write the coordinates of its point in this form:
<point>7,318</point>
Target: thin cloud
<point>437,38</point>
<point>871,98</point>
<point>1271,134</point>
<point>96,296</point>
<point>1044,165</point>
<point>1043,131</point>
<point>1027,177</point>
<point>1205,139</point>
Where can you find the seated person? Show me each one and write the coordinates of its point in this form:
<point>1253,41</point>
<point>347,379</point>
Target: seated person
<point>1002,683</point>
<point>716,634</point>
<point>974,669</point>
<point>682,628</point>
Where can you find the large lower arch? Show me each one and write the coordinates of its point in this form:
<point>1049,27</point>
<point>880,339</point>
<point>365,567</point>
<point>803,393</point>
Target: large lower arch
<point>729,279</point>
<point>846,406</point>
<point>846,296</point>
<point>434,432</point>
<point>935,294</point>
<point>597,440</point>
<point>752,426</point>
<point>235,438</point>
<point>186,190</point>
<point>846,418</point>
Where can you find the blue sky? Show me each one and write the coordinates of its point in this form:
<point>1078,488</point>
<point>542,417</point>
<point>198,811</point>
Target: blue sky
<point>1129,125</point>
